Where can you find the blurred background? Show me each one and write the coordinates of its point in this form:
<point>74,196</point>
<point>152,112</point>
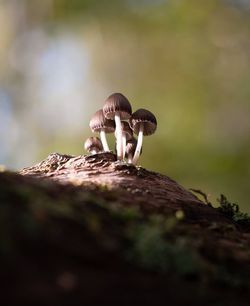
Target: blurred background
<point>188,61</point>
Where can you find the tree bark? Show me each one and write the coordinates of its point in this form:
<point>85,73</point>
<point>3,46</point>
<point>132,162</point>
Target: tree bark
<point>91,230</point>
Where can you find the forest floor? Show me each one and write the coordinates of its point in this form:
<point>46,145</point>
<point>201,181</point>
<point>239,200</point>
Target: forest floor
<point>90,230</point>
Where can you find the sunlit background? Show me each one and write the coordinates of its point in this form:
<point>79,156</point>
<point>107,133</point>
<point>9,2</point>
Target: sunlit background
<point>188,61</point>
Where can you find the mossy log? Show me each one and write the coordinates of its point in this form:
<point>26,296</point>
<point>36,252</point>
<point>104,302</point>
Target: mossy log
<point>91,230</point>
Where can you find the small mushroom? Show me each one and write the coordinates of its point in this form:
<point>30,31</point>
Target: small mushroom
<point>142,122</point>
<point>117,107</point>
<point>93,145</point>
<point>100,124</point>
<point>127,134</point>
<point>130,149</point>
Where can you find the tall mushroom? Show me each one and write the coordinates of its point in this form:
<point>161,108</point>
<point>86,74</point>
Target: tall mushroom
<point>93,145</point>
<point>117,107</point>
<point>100,124</point>
<point>127,134</point>
<point>130,149</point>
<point>142,122</point>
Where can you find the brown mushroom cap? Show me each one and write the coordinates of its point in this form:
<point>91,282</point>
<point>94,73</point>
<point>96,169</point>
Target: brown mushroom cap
<point>98,122</point>
<point>131,146</point>
<point>93,143</point>
<point>117,103</point>
<point>145,117</point>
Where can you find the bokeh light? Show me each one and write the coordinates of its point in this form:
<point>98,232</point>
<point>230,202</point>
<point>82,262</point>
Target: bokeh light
<point>186,61</point>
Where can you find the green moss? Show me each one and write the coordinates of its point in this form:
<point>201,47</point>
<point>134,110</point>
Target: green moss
<point>151,249</point>
<point>159,243</point>
<point>124,213</point>
<point>232,211</point>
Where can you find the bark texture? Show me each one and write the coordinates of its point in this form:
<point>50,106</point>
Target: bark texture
<point>152,191</point>
<point>90,230</point>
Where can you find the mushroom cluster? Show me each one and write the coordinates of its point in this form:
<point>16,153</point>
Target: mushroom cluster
<point>116,117</point>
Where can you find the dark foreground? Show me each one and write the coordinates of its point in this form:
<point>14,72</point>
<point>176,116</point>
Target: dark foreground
<point>91,231</point>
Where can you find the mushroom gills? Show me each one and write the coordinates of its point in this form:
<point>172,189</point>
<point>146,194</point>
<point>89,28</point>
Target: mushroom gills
<point>100,124</point>
<point>93,145</point>
<point>117,108</point>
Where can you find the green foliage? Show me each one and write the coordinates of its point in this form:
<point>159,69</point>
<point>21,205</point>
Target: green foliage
<point>232,210</point>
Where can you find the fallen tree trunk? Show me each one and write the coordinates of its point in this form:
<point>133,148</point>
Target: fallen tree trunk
<point>91,230</point>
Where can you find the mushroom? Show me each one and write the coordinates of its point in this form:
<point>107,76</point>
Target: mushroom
<point>130,149</point>
<point>117,107</point>
<point>127,134</point>
<point>100,124</point>
<point>93,145</point>
<point>142,122</point>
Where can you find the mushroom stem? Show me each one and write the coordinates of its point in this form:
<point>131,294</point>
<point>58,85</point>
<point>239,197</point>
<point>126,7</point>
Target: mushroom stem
<point>93,151</point>
<point>139,145</point>
<point>124,141</point>
<point>118,130</point>
<point>104,141</point>
<point>130,159</point>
